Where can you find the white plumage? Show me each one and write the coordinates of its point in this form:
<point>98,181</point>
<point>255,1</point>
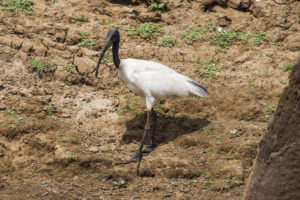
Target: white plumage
<point>154,80</point>
<point>150,80</point>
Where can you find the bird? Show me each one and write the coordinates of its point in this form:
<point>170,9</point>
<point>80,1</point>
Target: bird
<point>150,80</point>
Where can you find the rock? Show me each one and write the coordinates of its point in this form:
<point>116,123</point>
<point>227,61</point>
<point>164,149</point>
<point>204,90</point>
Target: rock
<point>84,64</point>
<point>293,40</point>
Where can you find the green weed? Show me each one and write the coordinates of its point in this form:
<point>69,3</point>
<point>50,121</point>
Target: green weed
<point>68,67</point>
<point>184,115</point>
<point>156,6</point>
<point>146,30</point>
<point>79,20</point>
<point>108,58</point>
<point>223,40</point>
<point>276,43</point>
<point>86,41</point>
<point>269,109</point>
<point>206,131</point>
<point>19,6</point>
<point>210,27</point>
<point>37,65</point>
<point>258,37</point>
<point>287,67</point>
<point>50,110</point>
<point>210,68</point>
<point>120,183</point>
<point>167,41</point>
<point>192,34</point>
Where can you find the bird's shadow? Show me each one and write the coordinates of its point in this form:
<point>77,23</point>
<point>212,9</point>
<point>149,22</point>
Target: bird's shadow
<point>168,128</point>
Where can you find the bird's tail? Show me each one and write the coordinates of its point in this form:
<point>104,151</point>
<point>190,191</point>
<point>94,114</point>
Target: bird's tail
<point>197,89</point>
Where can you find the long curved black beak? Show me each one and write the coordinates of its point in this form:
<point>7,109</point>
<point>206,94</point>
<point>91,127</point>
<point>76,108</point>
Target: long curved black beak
<point>107,44</point>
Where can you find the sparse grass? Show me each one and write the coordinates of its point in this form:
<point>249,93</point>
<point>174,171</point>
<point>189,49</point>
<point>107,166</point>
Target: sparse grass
<point>269,55</point>
<point>269,109</point>
<point>192,34</point>
<point>167,41</point>
<point>210,68</point>
<point>184,115</point>
<point>146,30</point>
<point>156,6</point>
<point>11,112</point>
<point>86,41</point>
<point>19,6</point>
<point>105,22</point>
<point>68,67</point>
<point>50,110</point>
<point>295,49</point>
<point>131,105</point>
<point>258,37</point>
<point>51,64</point>
<point>210,27</point>
<point>108,58</point>
<point>276,43</point>
<point>79,20</point>
<point>206,131</point>
<point>37,65</point>
<point>287,67</point>
<point>121,182</point>
<point>223,40</point>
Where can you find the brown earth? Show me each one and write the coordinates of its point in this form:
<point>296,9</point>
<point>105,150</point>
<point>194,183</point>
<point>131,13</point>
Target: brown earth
<point>277,168</point>
<point>61,132</point>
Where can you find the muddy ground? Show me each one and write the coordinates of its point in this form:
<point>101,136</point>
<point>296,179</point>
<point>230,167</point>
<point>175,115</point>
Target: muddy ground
<point>63,130</point>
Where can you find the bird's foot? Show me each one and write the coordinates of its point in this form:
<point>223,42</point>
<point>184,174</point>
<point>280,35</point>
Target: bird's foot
<point>152,146</point>
<point>135,158</point>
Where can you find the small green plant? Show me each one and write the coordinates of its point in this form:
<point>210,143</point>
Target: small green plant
<point>269,109</point>
<point>49,110</point>
<point>167,41</point>
<point>223,40</point>
<point>184,115</point>
<point>248,169</point>
<point>269,55</point>
<point>79,20</point>
<point>276,43</point>
<point>69,66</point>
<point>11,112</point>
<point>51,64</point>
<point>192,34</point>
<point>105,22</point>
<point>210,27</point>
<point>108,58</point>
<point>210,68</point>
<point>156,6</point>
<point>19,6</point>
<point>131,105</point>
<point>86,41</point>
<point>120,183</point>
<point>37,65</point>
<point>146,30</point>
<point>287,67</point>
<point>296,49</point>
<point>258,37</point>
<point>206,131</point>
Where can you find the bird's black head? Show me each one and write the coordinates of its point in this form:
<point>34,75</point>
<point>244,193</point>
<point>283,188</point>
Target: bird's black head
<point>112,38</point>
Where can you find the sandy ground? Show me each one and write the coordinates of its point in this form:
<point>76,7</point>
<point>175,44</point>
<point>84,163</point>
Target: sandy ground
<point>63,130</point>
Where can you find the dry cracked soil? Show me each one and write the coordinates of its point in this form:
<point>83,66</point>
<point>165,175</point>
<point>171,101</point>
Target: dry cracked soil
<point>62,130</point>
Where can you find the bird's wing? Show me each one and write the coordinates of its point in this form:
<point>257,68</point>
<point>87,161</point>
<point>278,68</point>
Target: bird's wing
<point>162,85</point>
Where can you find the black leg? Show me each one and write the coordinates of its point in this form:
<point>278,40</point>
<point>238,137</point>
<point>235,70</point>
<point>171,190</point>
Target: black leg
<point>154,117</point>
<point>140,153</point>
<point>138,156</point>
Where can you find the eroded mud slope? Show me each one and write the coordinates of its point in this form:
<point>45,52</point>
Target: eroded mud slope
<point>62,130</point>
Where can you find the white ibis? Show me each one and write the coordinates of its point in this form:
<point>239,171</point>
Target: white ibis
<point>150,80</point>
